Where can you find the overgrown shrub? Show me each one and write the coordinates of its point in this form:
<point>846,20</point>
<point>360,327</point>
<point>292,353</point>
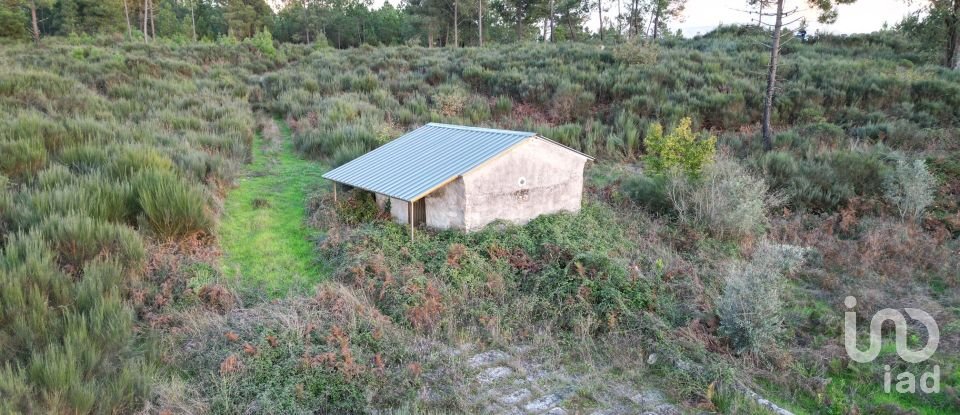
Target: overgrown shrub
<point>726,200</point>
<point>680,149</point>
<point>571,102</point>
<point>263,41</point>
<point>358,207</point>
<point>649,192</point>
<point>910,187</point>
<point>751,307</point>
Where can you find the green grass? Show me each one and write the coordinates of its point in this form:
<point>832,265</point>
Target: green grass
<point>268,247</point>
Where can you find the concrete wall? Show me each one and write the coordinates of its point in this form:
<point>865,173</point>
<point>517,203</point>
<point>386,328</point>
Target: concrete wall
<point>534,178</point>
<point>398,208</point>
<point>445,206</point>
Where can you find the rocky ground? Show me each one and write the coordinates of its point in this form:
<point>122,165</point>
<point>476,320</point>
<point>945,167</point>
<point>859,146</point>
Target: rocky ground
<point>517,381</point>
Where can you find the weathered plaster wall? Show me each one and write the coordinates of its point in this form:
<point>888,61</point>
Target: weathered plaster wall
<point>381,200</point>
<point>445,206</point>
<point>534,178</point>
<point>398,210</point>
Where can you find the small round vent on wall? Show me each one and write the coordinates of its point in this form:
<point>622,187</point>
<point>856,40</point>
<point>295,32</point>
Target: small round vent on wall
<point>522,182</point>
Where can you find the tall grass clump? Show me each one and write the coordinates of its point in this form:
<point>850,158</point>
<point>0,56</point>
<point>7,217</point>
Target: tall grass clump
<point>169,206</point>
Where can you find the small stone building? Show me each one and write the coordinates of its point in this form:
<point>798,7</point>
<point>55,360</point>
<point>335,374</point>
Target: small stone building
<point>456,177</point>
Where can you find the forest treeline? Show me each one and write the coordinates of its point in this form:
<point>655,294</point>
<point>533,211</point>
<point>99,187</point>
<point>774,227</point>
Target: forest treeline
<point>349,23</point>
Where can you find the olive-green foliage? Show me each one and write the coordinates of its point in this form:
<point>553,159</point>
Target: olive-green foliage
<point>649,192</point>
<point>67,340</point>
<point>358,207</point>
<point>727,200</point>
<point>886,86</point>
<point>564,264</point>
<point>680,149</point>
<point>100,141</point>
<point>169,206</point>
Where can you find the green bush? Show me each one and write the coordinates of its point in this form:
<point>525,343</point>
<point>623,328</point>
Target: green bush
<point>358,207</point>
<point>649,192</point>
<point>680,150</point>
<point>598,286</point>
<point>170,207</point>
<point>263,41</point>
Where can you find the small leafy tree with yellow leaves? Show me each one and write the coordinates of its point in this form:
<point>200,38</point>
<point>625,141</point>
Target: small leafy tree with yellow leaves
<point>680,149</point>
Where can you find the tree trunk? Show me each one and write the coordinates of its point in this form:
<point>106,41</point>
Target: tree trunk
<point>656,20</point>
<point>519,27</point>
<point>600,13</point>
<point>193,19</point>
<point>33,19</point>
<point>953,42</point>
<point>456,23</point>
<point>772,78</point>
<point>619,22</point>
<point>153,22</point>
<point>146,34</point>
<point>760,15</point>
<point>126,14</point>
<point>480,21</point>
<point>552,12</point>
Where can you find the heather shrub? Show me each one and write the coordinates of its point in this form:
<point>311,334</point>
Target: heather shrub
<point>636,53</point>
<point>94,195</point>
<point>726,200</point>
<point>751,306</point>
<point>22,157</point>
<point>910,187</point>
<point>78,239</point>
<point>67,341</point>
<point>680,149</point>
<point>823,182</point>
<point>169,206</point>
<point>571,102</point>
<point>450,100</point>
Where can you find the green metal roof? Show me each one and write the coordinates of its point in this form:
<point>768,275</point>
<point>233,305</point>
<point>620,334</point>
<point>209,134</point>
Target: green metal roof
<point>419,161</point>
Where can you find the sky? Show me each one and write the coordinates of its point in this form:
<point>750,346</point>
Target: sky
<point>701,16</point>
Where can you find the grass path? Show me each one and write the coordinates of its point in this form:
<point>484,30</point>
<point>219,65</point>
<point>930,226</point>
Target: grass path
<point>266,242</point>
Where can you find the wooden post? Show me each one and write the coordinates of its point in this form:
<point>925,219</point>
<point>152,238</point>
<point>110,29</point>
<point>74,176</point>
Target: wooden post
<point>334,193</point>
<point>410,218</point>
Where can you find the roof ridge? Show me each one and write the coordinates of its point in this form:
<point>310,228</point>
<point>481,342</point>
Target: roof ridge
<point>484,129</point>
